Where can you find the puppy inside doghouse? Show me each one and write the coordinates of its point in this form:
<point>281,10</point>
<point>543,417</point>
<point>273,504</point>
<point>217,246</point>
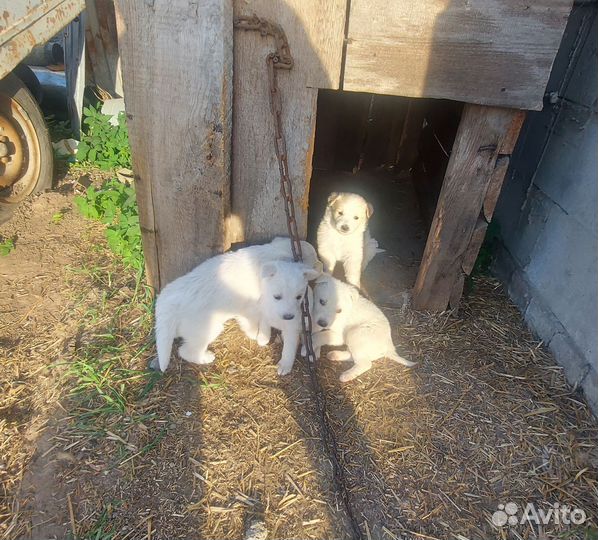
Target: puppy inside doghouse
<point>343,235</point>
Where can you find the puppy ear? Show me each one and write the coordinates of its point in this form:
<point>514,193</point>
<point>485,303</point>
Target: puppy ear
<point>311,273</point>
<point>369,210</point>
<point>333,197</point>
<point>318,266</point>
<point>269,269</point>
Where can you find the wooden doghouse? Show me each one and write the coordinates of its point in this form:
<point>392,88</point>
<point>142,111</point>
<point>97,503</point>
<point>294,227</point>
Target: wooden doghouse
<point>201,131</point>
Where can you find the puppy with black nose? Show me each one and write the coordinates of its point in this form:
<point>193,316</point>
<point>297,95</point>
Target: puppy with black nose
<point>343,235</point>
<point>344,317</point>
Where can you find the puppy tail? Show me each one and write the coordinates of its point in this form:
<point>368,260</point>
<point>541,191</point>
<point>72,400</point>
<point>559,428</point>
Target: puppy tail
<point>370,250</point>
<point>393,355</point>
<point>165,334</point>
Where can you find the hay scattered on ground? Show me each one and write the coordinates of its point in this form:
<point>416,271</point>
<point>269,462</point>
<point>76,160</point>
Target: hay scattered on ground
<point>485,418</point>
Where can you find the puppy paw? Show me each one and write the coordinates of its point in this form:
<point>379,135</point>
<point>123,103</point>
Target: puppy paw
<point>339,356</point>
<point>303,351</point>
<point>284,368</point>
<point>263,340</point>
<point>346,376</point>
<point>207,357</point>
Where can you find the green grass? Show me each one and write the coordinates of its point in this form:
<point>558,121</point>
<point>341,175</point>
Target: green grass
<point>101,528</point>
<point>58,129</point>
<point>213,381</point>
<point>57,217</point>
<point>6,246</point>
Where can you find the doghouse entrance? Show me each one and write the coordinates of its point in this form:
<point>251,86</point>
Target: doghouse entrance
<point>393,151</point>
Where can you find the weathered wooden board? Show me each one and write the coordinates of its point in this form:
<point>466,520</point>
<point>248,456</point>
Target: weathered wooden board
<point>495,185</point>
<point>177,71</point>
<point>74,59</point>
<point>101,46</point>
<point>449,250</point>
<point>475,243</point>
<point>478,51</point>
<point>315,33</point>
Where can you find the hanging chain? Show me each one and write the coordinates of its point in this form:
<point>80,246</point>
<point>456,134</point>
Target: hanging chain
<point>281,59</point>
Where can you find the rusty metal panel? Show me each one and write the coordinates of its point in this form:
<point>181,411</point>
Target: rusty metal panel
<point>25,24</point>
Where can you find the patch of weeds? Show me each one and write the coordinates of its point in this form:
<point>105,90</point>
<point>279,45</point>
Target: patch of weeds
<point>103,144</point>
<point>213,381</point>
<point>101,528</point>
<point>57,217</point>
<point>102,384</point>
<point>58,129</point>
<point>115,205</point>
<point>6,246</point>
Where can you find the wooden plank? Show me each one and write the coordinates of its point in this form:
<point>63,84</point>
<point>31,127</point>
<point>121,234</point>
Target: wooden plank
<point>315,33</point>
<point>101,44</point>
<point>479,138</point>
<point>475,243</point>
<point>178,87</point>
<point>74,62</point>
<point>510,139</point>
<point>479,51</point>
<point>495,185</point>
<point>502,165</point>
<point>457,292</point>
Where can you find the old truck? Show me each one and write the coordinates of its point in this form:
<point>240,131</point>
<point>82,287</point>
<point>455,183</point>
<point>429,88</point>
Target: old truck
<point>26,157</point>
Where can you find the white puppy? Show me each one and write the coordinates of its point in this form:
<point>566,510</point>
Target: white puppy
<point>343,317</point>
<point>343,235</point>
<point>258,286</point>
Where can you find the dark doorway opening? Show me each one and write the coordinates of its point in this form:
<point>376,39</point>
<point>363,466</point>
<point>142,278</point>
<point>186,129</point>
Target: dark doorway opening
<point>394,152</point>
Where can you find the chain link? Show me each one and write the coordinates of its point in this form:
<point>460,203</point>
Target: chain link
<point>282,59</point>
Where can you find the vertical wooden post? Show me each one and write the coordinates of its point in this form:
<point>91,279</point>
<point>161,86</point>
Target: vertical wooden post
<point>74,59</point>
<point>474,176</point>
<point>177,74</point>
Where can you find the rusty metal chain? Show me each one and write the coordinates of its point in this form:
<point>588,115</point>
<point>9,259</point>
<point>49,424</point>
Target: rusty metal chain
<point>281,59</point>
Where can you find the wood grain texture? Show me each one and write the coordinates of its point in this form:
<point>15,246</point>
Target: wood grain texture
<point>479,51</point>
<point>101,45</point>
<point>74,59</point>
<point>177,74</point>
<point>495,185</point>
<point>475,243</point>
<point>479,138</point>
<point>315,34</point>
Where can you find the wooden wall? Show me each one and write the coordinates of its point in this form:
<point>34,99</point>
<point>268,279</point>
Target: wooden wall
<point>479,51</point>
<point>177,73</point>
<point>315,33</point>
<point>178,58</point>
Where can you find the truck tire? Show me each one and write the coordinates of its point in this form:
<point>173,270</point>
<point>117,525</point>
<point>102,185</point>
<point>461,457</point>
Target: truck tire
<point>26,156</point>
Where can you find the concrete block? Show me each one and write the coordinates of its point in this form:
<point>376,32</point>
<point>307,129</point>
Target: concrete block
<point>575,366</point>
<point>541,320</point>
<point>519,290</point>
<point>590,389</point>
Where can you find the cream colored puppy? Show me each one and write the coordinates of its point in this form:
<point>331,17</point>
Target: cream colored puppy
<point>259,286</point>
<point>343,235</point>
<point>343,317</point>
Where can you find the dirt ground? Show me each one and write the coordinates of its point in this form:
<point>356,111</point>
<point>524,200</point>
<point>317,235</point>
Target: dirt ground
<point>93,446</point>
